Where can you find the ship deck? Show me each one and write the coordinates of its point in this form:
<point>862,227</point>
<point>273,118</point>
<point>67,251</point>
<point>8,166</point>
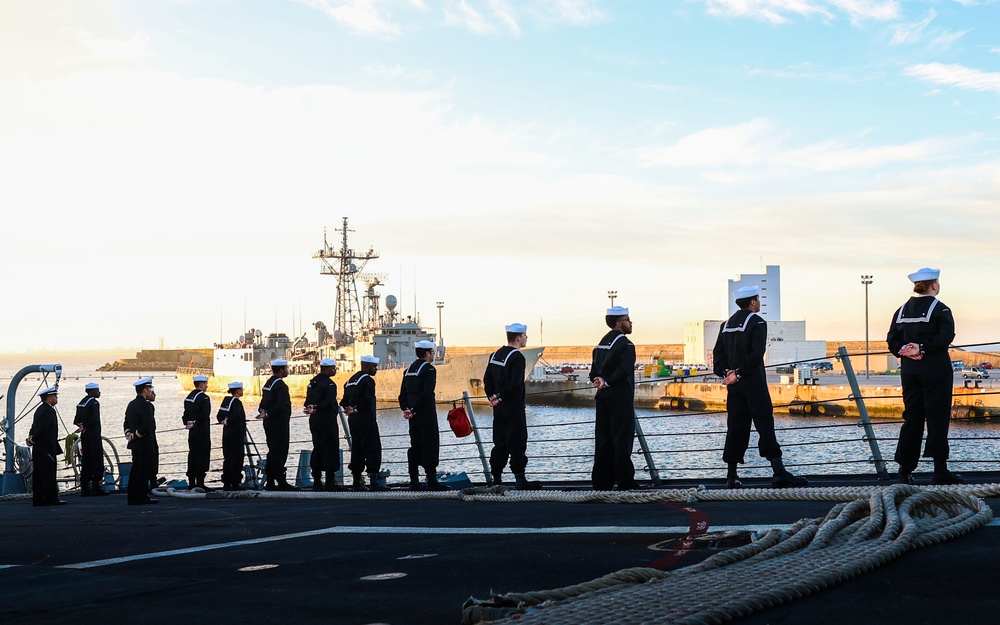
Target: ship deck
<point>181,560</point>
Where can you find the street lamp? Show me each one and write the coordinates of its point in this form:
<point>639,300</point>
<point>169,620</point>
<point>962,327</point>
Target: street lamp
<point>866,280</point>
<point>612,295</point>
<point>440,305</point>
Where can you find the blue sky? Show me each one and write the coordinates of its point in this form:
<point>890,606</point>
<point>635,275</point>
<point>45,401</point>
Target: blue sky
<point>172,164</point>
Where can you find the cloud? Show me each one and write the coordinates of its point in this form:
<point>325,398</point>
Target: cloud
<point>365,17</point>
<point>780,11</point>
<point>955,75</point>
<point>761,143</point>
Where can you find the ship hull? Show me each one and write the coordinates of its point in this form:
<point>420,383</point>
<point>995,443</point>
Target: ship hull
<point>461,374</point>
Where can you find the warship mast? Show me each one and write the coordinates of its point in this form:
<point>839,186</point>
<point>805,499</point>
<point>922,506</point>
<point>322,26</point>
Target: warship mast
<point>349,323</point>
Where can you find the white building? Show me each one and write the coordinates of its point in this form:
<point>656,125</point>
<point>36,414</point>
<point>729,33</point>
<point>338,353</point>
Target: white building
<point>770,292</point>
<point>786,340</point>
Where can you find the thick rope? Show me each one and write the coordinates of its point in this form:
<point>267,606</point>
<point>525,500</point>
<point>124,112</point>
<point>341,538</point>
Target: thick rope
<point>779,566</point>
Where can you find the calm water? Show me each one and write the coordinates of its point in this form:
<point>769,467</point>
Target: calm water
<point>560,439</point>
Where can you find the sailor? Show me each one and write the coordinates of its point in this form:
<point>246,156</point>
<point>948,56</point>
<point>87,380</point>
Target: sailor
<point>324,411</point>
<point>416,399</point>
<point>739,361</point>
<point>88,422</point>
<point>359,404</point>
<point>613,372</point>
<point>919,334</point>
<point>140,432</point>
<point>43,438</point>
<point>276,411</point>
<point>233,418</point>
<point>504,385</point>
<point>197,420</point>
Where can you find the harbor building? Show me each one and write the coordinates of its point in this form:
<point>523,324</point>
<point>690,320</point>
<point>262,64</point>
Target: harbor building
<point>786,340</point>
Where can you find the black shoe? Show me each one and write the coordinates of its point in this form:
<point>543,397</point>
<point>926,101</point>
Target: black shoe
<point>436,486</point>
<point>787,480</point>
<point>97,490</point>
<point>288,488</point>
<point>733,482</point>
<point>905,477</point>
<point>496,479</point>
<point>318,485</point>
<point>947,477</point>
<point>416,486</point>
<point>523,484</point>
<point>58,502</point>
<point>333,487</point>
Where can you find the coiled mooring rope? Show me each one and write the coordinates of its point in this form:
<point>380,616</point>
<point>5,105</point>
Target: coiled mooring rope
<point>779,566</point>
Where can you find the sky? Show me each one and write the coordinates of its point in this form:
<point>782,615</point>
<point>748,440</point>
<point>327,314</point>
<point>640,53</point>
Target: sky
<point>168,168</point>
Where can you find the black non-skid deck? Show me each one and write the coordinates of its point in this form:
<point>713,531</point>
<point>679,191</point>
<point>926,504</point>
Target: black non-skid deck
<point>414,562</point>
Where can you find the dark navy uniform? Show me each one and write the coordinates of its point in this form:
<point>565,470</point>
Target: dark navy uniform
<point>614,427</point>
<point>504,378</point>
<point>325,429</point>
<point>198,408</point>
<point>740,346</point>
<point>233,439</point>
<point>45,448</point>
<point>416,393</point>
<point>88,417</point>
<point>927,383</point>
<point>140,420</point>
<point>366,452</point>
<point>277,403</point>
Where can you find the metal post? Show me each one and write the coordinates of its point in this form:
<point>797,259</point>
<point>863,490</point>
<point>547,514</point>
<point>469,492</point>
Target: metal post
<point>12,481</point>
<point>866,280</point>
<point>863,411</point>
<point>347,430</point>
<point>479,442</point>
<point>653,473</point>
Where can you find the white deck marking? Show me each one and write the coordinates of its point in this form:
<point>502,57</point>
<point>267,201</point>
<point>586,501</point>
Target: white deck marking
<point>429,531</point>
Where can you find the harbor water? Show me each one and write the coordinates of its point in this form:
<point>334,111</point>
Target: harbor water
<point>560,447</point>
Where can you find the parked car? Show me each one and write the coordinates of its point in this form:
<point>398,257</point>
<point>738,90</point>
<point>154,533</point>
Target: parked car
<point>974,373</point>
<point>986,365</point>
<point>957,365</point>
<point>823,365</point>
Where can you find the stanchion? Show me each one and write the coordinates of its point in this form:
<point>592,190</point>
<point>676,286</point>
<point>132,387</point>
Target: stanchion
<point>859,399</point>
<point>479,442</point>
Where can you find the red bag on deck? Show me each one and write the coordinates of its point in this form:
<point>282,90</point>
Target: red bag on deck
<point>459,422</point>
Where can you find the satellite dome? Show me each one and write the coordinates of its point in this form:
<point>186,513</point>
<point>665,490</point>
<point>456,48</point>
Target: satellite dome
<point>390,302</point>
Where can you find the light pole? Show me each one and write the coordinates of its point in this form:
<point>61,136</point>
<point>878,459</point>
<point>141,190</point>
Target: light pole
<point>612,295</point>
<point>440,305</point>
<point>866,280</point>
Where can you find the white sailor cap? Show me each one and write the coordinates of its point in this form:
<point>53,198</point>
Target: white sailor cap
<point>424,344</point>
<point>924,274</point>
<point>617,311</point>
<point>328,362</point>
<point>746,291</point>
<point>90,386</point>
<point>233,385</point>
<point>370,360</point>
<point>143,381</point>
<point>518,328</point>
<point>49,391</point>
<point>279,362</point>
<point>200,378</point>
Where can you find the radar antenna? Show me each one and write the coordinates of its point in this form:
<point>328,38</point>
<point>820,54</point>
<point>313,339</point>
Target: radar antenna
<point>346,265</point>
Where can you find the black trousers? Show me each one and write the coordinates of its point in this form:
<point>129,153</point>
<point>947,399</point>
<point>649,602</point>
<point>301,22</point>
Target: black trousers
<point>276,432</point>
<point>510,440</point>
<point>749,403</point>
<point>199,455</point>
<point>926,397</point>
<point>326,446</point>
<point>614,438</point>
<point>44,488</point>
<point>366,450</point>
<point>91,459</point>
<point>425,442</point>
<point>233,453</point>
<point>143,471</point>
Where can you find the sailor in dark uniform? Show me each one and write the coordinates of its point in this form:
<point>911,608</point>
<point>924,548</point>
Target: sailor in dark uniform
<point>233,418</point>
<point>920,333</point>
<point>197,420</point>
<point>276,411</point>
<point>88,422</point>
<point>738,359</point>
<point>416,399</point>
<point>43,438</point>
<point>613,372</point>
<point>359,404</point>
<point>140,432</point>
<point>503,382</point>
<point>324,411</point>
